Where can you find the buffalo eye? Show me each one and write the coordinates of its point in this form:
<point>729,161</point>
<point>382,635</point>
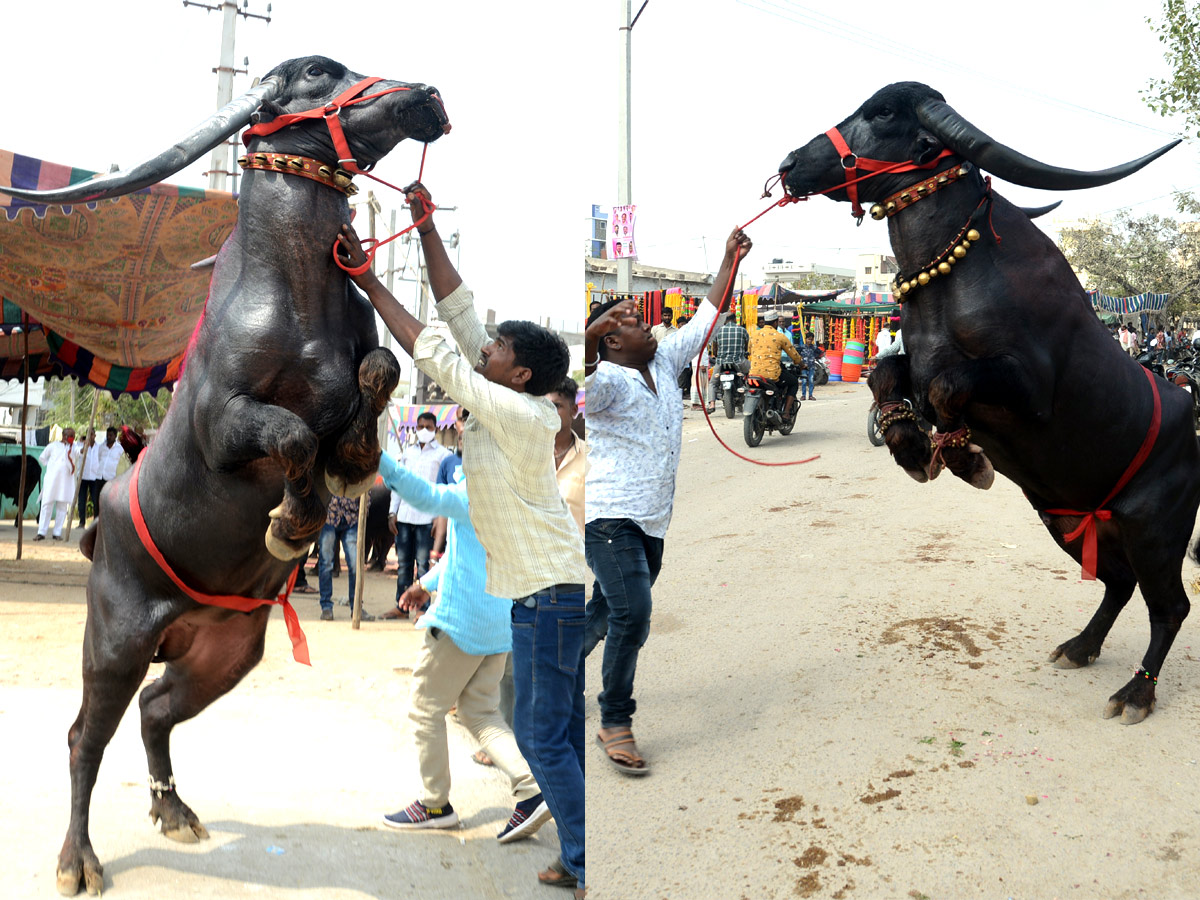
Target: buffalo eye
<point>884,113</point>
<point>315,71</point>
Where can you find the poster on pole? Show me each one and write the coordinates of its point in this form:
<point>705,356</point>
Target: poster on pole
<point>620,232</point>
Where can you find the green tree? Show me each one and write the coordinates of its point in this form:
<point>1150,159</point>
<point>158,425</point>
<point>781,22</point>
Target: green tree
<point>1178,95</point>
<point>1137,255</point>
<point>143,413</point>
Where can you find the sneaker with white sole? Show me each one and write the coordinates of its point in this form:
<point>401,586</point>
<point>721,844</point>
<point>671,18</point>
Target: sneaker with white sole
<point>527,818</point>
<point>418,815</point>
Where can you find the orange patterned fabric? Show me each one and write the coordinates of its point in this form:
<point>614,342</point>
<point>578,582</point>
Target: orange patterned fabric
<point>111,277</point>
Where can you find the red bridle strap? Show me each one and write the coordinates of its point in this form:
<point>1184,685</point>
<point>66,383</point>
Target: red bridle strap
<point>852,163</point>
<point>331,113</point>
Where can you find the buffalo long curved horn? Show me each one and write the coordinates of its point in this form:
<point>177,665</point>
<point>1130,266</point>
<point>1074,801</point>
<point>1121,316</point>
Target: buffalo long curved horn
<point>208,134</point>
<point>970,143</point>
<point>1034,211</point>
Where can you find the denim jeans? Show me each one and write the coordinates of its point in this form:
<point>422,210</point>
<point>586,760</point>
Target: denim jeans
<point>626,562</point>
<point>548,710</point>
<point>806,381</point>
<point>414,543</point>
<point>325,546</point>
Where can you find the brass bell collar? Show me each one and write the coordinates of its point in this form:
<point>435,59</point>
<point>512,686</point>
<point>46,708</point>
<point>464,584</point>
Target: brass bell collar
<point>919,191</point>
<point>314,170</point>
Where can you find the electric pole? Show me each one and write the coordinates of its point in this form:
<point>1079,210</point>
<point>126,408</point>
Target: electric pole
<point>624,135</point>
<point>221,164</point>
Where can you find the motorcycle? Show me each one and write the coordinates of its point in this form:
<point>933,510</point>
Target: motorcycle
<point>730,388</point>
<point>1186,374</point>
<point>821,372</point>
<point>764,409</point>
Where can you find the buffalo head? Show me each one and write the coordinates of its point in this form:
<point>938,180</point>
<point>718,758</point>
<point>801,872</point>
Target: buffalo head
<point>912,122</point>
<point>372,127</point>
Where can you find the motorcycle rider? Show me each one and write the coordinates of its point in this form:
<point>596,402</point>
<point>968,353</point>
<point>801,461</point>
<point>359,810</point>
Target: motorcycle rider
<point>765,346</point>
<point>730,343</point>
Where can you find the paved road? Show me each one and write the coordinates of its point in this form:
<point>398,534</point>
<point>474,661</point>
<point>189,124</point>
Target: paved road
<point>845,694</point>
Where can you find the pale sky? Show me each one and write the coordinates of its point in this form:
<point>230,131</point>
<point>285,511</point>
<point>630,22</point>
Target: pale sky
<point>723,90</point>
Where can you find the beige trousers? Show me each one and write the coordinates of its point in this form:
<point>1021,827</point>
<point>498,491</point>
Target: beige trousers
<point>445,676</point>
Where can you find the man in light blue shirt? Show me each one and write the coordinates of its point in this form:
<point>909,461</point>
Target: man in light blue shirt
<point>468,637</point>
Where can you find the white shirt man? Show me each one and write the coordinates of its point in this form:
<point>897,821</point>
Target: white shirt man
<point>59,461</point>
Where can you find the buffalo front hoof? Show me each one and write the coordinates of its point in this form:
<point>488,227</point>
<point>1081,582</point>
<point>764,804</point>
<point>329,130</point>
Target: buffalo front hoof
<point>982,475</point>
<point>338,486</point>
<point>1133,702</point>
<point>281,548</point>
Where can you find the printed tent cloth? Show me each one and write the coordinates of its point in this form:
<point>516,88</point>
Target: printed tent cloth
<point>868,303</point>
<point>110,282</point>
<point>1128,306</point>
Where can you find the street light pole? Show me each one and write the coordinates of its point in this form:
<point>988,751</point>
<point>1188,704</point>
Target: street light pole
<point>624,134</point>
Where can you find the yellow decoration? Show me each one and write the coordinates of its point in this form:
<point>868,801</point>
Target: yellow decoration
<point>972,235</point>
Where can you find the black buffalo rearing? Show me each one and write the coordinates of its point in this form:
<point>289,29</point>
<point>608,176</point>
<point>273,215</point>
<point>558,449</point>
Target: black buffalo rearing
<point>275,409</point>
<point>1005,354</point>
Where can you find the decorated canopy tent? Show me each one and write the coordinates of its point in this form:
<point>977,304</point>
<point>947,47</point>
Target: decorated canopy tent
<point>110,283</point>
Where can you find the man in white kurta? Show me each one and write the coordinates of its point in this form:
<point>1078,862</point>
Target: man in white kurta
<point>59,461</point>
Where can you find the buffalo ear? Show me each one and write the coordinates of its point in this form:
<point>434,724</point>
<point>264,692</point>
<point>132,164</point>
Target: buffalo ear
<point>926,149</point>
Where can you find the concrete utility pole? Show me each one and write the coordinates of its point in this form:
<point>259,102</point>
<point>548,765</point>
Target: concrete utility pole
<point>221,165</point>
<point>624,134</point>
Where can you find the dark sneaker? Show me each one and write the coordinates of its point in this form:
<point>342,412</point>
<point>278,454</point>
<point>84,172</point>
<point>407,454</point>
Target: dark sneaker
<point>40,537</point>
<point>527,818</point>
<point>418,815</point>
<point>327,615</point>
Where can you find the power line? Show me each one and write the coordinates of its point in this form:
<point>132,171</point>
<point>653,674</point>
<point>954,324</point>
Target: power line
<point>800,15</point>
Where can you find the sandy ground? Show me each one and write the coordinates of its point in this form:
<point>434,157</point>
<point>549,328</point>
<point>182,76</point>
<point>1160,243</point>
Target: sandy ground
<point>845,694</point>
<point>291,772</point>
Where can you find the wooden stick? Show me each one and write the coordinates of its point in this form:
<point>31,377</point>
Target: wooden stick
<point>82,459</point>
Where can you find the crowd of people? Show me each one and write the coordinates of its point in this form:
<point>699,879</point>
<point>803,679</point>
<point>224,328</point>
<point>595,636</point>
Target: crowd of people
<point>1163,342</point>
<point>66,464</point>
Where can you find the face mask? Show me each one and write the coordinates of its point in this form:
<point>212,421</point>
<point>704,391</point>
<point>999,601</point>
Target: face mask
<point>424,435</point>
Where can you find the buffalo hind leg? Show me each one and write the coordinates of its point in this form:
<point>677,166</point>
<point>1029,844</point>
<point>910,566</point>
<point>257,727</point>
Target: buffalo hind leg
<point>1157,561</point>
<point>908,444</point>
<point>201,667</point>
<point>350,471</point>
<point>1113,571</point>
<point>111,675</point>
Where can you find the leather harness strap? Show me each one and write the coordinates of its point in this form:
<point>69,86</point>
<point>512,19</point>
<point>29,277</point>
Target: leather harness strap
<point>225,601</point>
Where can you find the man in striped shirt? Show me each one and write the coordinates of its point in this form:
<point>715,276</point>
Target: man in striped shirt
<point>534,550</point>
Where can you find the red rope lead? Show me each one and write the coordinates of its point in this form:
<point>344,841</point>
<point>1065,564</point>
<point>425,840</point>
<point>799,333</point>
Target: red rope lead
<point>708,337</point>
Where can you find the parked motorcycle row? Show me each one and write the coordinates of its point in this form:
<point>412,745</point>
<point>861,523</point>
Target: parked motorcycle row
<point>1184,372</point>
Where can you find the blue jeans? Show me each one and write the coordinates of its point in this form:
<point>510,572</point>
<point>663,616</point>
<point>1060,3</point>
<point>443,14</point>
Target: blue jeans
<point>806,381</point>
<point>325,545</point>
<point>414,543</point>
<point>548,710</point>
<point>626,562</point>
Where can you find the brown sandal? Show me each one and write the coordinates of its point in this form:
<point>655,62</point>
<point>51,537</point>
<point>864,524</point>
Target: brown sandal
<point>630,767</point>
<point>558,876</point>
